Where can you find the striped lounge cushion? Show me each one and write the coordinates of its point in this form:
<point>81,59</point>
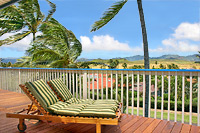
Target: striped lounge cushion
<point>42,93</point>
<point>108,101</point>
<point>61,89</point>
<point>98,111</point>
<point>63,108</point>
<point>81,101</point>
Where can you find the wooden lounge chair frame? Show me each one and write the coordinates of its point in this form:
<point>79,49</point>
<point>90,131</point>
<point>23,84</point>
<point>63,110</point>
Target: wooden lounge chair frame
<point>40,113</point>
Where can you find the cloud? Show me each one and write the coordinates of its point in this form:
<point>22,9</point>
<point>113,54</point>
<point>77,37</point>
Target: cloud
<point>186,38</point>
<point>21,45</point>
<point>187,31</point>
<point>105,43</point>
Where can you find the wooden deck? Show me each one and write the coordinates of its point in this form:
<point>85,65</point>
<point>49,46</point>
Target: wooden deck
<point>11,102</point>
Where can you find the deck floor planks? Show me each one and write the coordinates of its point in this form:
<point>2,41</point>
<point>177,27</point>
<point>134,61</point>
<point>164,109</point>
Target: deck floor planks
<point>177,127</point>
<point>185,128</point>
<point>160,126</point>
<point>195,129</point>
<point>129,123</point>
<point>152,126</point>
<point>135,125</point>
<point>168,128</point>
<point>122,123</point>
<point>144,125</point>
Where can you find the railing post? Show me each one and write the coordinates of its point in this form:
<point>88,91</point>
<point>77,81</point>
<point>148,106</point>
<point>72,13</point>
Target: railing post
<point>147,108</point>
<point>85,85</point>
<point>19,80</point>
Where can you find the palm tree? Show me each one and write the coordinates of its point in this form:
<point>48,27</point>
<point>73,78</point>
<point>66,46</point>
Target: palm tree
<point>108,15</point>
<point>56,47</point>
<point>26,16</point>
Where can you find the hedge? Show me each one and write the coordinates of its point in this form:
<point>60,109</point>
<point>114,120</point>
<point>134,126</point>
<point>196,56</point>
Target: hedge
<point>172,105</point>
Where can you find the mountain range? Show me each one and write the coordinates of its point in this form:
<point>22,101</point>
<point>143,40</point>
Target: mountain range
<point>140,57</point>
<point>131,58</point>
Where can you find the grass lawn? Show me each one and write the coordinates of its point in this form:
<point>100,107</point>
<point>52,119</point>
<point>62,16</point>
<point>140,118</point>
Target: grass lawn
<point>165,114</point>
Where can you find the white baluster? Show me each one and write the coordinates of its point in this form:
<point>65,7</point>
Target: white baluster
<point>138,98</point>
<point>144,87</point>
<point>132,93</point>
<point>149,95</point>
<point>183,96</point>
<point>162,89</point>
<point>156,89</point>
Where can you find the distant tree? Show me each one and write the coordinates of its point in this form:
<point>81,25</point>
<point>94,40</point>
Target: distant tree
<point>198,56</point>
<point>169,66</point>
<point>137,67</point>
<point>1,61</point>
<point>113,63</point>
<point>124,65</point>
<point>9,64</point>
<point>194,67</point>
<point>156,62</point>
<point>174,66</point>
<point>162,66</point>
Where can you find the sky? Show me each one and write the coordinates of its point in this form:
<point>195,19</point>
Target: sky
<point>173,27</point>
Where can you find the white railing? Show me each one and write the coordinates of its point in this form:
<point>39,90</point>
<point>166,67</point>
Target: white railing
<point>173,94</point>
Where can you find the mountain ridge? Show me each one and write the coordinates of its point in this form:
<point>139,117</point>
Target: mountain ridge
<point>130,58</point>
<point>140,57</point>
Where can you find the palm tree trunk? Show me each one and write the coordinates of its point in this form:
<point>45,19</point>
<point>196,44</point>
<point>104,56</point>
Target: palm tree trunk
<point>33,36</point>
<point>146,54</point>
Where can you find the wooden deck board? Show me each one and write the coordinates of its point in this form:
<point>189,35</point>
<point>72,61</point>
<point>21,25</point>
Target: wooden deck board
<point>12,101</point>
<point>177,128</point>
<point>160,126</point>
<point>185,128</point>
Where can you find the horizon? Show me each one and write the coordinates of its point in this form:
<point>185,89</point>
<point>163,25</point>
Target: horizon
<point>173,27</point>
<point>114,57</point>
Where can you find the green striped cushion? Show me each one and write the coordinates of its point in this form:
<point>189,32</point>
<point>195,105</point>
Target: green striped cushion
<point>96,111</point>
<point>42,93</point>
<point>108,101</point>
<point>58,106</point>
<point>73,100</point>
<point>61,89</point>
<point>86,101</point>
<point>103,106</point>
<point>81,101</point>
<point>70,110</point>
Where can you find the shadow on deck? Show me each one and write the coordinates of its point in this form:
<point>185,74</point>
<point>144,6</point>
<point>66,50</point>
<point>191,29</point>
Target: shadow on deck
<point>12,101</point>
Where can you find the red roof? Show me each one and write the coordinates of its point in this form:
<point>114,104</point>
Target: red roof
<point>109,83</point>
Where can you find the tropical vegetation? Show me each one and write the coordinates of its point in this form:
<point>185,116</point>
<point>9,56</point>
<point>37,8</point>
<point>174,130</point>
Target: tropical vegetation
<point>57,47</point>
<point>23,19</point>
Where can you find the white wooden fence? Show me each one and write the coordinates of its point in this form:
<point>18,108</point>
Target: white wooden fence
<point>126,85</point>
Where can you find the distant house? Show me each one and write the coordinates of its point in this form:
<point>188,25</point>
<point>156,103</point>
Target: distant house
<point>113,81</point>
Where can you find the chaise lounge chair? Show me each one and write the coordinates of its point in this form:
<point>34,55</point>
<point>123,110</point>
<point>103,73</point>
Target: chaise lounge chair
<point>72,110</point>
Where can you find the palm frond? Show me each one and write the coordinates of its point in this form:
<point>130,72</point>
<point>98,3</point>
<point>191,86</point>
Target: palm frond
<point>10,20</point>
<point>46,54</point>
<point>25,61</point>
<point>14,38</point>
<point>51,11</point>
<point>58,64</point>
<point>108,15</point>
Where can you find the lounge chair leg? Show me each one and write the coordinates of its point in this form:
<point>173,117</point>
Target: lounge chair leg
<point>98,128</point>
<point>21,126</point>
